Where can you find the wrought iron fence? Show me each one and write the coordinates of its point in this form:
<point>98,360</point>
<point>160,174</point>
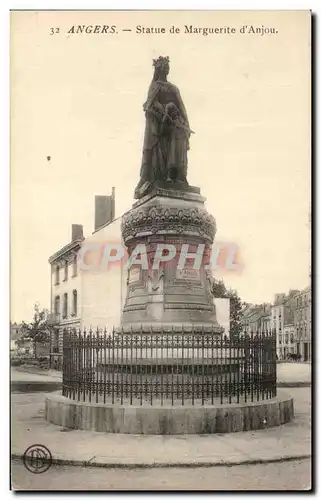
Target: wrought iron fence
<point>174,368</point>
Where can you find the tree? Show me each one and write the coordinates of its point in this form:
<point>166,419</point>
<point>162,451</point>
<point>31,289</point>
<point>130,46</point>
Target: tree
<point>38,329</point>
<point>237,307</point>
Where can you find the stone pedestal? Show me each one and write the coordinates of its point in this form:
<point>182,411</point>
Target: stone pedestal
<point>168,296</point>
<point>168,419</point>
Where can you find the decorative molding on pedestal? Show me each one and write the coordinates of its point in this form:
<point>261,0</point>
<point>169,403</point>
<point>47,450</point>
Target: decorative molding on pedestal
<point>168,190</point>
<point>150,220</point>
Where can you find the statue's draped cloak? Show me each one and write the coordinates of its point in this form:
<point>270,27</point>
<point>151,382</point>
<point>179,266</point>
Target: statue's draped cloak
<point>161,152</point>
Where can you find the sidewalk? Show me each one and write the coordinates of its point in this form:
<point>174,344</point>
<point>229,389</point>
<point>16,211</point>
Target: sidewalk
<point>35,382</point>
<point>290,441</point>
<point>48,376</point>
<point>294,374</point>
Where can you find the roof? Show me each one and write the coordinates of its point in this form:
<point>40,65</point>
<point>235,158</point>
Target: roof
<point>67,248</point>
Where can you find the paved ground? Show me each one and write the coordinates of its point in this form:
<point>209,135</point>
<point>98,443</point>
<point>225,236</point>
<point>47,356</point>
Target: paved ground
<point>294,372</point>
<point>47,376</point>
<point>290,440</point>
<point>288,476</point>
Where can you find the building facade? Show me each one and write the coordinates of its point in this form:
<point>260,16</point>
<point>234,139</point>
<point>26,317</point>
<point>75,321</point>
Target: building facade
<point>65,293</point>
<point>288,345</point>
<point>302,323</point>
<point>257,319</point>
<point>69,273</point>
<point>103,279</point>
<point>290,317</point>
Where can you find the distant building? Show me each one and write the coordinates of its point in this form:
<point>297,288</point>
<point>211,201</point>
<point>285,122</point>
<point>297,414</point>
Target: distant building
<point>65,292</point>
<point>15,335</point>
<point>278,313</point>
<point>288,345</point>
<point>302,323</point>
<point>257,318</point>
<point>289,316</point>
<point>291,319</point>
<point>281,321</point>
<point>18,345</point>
<point>287,338</point>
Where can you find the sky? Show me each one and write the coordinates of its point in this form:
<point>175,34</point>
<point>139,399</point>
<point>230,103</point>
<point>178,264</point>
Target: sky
<point>78,99</point>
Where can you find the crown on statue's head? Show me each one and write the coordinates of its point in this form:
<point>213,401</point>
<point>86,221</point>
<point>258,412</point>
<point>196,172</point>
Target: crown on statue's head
<point>160,61</point>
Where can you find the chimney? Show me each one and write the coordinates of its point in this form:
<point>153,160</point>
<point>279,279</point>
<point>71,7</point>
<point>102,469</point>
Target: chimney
<point>112,203</point>
<point>104,209</point>
<point>77,232</point>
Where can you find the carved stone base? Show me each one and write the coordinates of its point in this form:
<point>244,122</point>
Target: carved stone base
<point>171,294</point>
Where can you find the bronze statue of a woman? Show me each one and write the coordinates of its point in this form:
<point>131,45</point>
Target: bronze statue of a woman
<point>167,133</point>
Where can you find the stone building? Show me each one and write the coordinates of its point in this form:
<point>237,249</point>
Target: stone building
<point>282,322</point>
<point>67,266</point>
<point>291,318</point>
<point>257,318</point>
<point>302,323</point>
<point>103,278</point>
<point>65,293</point>
<point>16,343</point>
<point>288,345</point>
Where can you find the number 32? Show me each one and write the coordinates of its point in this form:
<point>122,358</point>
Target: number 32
<point>54,30</point>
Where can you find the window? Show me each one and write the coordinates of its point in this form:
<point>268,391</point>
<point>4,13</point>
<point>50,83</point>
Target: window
<point>65,312</point>
<point>74,303</point>
<point>57,275</point>
<point>74,266</point>
<point>57,305</point>
<point>286,338</point>
<point>66,271</point>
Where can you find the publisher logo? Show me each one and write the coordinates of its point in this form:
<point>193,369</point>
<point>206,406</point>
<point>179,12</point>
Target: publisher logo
<point>37,458</point>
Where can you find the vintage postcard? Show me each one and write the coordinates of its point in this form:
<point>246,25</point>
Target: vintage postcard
<point>160,326</point>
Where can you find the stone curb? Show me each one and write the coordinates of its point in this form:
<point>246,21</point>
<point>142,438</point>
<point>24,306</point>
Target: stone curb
<point>293,384</point>
<point>159,465</point>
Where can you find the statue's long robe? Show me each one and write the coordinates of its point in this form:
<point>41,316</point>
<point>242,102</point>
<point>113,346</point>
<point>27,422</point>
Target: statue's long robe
<point>156,148</point>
